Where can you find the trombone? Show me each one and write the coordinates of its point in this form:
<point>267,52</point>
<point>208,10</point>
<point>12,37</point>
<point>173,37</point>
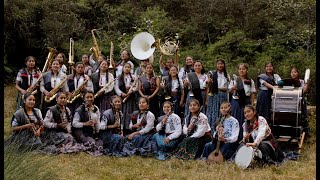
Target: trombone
<point>111,56</point>
<point>71,57</point>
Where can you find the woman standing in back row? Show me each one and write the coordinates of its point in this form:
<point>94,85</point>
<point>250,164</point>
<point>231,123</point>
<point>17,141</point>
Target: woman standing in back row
<point>266,82</point>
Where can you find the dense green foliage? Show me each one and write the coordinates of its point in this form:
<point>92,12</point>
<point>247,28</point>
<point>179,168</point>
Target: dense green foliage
<point>256,31</point>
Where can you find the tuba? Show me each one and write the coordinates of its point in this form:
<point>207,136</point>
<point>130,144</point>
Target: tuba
<point>54,91</point>
<point>144,44</point>
<point>71,57</point>
<point>95,49</point>
<point>49,59</point>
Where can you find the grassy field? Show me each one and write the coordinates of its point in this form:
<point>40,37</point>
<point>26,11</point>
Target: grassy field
<point>84,166</point>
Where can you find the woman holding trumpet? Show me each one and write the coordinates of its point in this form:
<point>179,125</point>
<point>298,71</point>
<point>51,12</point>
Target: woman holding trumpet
<point>125,87</point>
<point>218,81</point>
<point>86,125</point>
<point>173,90</point>
<point>27,124</point>
<point>103,84</point>
<point>243,89</point>
<point>197,83</point>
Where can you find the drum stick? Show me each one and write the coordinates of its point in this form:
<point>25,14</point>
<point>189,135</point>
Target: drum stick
<point>248,134</point>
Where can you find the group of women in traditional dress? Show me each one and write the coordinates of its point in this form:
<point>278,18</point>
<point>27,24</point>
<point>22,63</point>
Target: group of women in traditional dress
<point>182,113</point>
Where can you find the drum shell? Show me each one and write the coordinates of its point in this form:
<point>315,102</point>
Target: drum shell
<point>286,131</point>
<point>286,100</point>
<point>286,118</point>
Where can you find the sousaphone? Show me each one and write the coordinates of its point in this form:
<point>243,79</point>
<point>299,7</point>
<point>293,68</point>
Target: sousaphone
<point>144,44</point>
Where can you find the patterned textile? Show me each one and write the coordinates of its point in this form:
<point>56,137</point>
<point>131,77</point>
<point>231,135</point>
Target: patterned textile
<point>143,145</point>
<point>227,149</point>
<point>214,102</point>
<point>190,148</point>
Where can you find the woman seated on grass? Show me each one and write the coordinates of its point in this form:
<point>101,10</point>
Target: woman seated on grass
<point>111,127</point>
<point>142,123</point>
<point>197,130</point>
<point>227,132</point>
<point>261,136</point>
<point>169,130</point>
<point>27,124</point>
<point>58,125</point>
<point>86,124</point>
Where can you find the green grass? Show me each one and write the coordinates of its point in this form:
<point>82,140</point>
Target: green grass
<point>84,166</point>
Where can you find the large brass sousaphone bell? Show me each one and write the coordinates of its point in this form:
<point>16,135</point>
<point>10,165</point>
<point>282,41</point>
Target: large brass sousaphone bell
<point>144,44</point>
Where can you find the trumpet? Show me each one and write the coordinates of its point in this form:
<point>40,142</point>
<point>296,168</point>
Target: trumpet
<point>190,86</point>
<point>235,94</point>
<point>167,96</point>
<point>95,48</point>
<point>54,91</point>
<point>71,57</point>
<point>210,84</point>
<point>104,88</point>
<point>111,56</point>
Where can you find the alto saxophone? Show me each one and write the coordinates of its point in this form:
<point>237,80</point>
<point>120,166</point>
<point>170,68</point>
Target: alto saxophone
<point>54,91</point>
<point>76,93</point>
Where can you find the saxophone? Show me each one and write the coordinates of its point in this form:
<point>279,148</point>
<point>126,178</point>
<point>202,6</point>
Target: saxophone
<point>33,88</point>
<point>95,48</point>
<point>54,91</point>
<point>76,93</point>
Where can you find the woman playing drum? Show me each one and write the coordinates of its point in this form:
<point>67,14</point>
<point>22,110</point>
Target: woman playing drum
<point>257,134</point>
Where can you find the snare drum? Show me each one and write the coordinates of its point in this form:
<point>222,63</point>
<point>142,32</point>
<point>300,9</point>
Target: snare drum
<point>245,156</point>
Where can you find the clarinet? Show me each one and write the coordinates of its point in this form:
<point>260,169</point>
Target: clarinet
<point>162,131</point>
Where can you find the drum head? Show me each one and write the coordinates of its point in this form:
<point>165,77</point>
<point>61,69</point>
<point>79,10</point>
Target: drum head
<point>244,157</point>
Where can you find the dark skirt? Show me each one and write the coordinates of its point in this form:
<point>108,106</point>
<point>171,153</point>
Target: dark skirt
<point>46,105</point>
<point>227,149</point>
<point>191,148</point>
<point>127,108</point>
<point>104,102</point>
<point>74,105</point>
<point>213,110</point>
<point>112,143</point>
<point>154,106</point>
<point>25,139</point>
<point>237,111</point>
<point>263,106</point>
<point>165,148</point>
<point>93,144</point>
<point>143,145</point>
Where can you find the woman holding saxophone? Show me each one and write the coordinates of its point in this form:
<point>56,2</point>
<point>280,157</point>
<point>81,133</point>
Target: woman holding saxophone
<point>125,87</point>
<point>103,84</point>
<point>51,83</point>
<point>77,84</point>
<point>111,128</point>
<point>27,78</point>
